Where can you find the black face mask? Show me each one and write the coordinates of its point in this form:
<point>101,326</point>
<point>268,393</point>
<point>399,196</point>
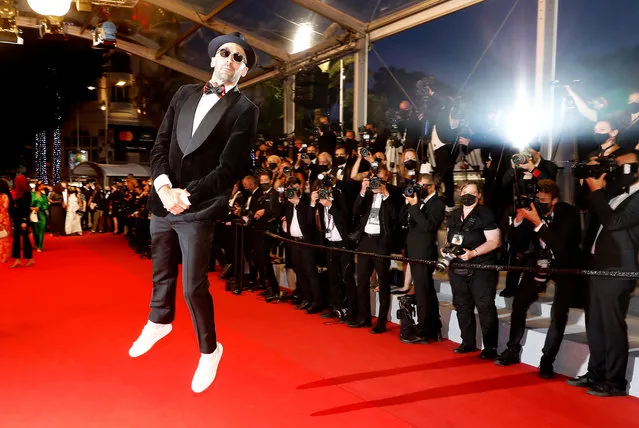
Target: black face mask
<point>312,156</point>
<point>544,209</point>
<point>410,164</point>
<point>633,108</point>
<point>378,160</point>
<point>272,166</point>
<point>265,186</point>
<point>468,199</point>
<point>600,138</point>
<point>340,160</point>
<point>322,168</point>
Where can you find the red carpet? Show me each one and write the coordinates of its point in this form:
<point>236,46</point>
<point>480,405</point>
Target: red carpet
<point>66,325</point>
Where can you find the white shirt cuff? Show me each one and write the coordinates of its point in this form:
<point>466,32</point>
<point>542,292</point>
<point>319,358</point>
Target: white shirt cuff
<point>161,181</point>
<point>538,228</point>
<point>517,223</point>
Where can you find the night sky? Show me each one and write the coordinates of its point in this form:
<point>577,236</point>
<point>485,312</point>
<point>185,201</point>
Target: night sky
<point>448,47</point>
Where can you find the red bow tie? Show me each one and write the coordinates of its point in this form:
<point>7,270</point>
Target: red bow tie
<point>209,88</point>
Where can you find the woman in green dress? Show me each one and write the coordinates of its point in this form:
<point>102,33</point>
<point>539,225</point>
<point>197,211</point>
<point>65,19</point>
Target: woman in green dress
<point>39,204</point>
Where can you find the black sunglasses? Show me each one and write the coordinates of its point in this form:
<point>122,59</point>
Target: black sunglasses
<point>235,56</point>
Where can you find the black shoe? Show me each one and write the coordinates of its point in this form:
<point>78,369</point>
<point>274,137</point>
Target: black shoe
<point>314,309</point>
<point>413,339</point>
<point>237,290</point>
<point>488,354</point>
<point>508,358</point>
<point>359,324</point>
<point>607,391</point>
<point>329,314</point>
<point>585,381</point>
<point>295,300</point>
<point>379,328</point>
<point>272,298</point>
<point>304,305</point>
<point>465,349</point>
<point>349,318</point>
<point>546,370</point>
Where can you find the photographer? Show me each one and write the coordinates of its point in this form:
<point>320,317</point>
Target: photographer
<point>374,234</point>
<point>423,213</point>
<point>615,248</point>
<point>473,236</point>
<point>527,168</point>
<point>327,140</point>
<point>265,219</point>
<point>409,124</point>
<point>552,229</point>
<point>330,208</point>
<point>298,225</point>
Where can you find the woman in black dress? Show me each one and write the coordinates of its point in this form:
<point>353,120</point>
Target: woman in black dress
<point>57,210</point>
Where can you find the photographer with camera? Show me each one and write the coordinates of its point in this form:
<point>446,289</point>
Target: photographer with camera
<point>373,234</point>
<point>527,168</point>
<point>366,161</point>
<point>473,236</point>
<point>615,248</point>
<point>553,234</point>
<point>298,226</point>
<point>330,208</point>
<point>423,214</point>
<point>327,140</point>
<point>409,124</point>
<point>266,219</point>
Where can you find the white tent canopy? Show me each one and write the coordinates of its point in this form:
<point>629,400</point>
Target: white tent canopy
<point>105,173</point>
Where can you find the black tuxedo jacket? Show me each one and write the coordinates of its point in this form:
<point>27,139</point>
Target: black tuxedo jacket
<point>208,163</point>
<point>562,236</point>
<point>423,221</point>
<point>304,217</point>
<point>387,217</point>
<point>270,202</point>
<point>340,213</point>
<point>618,243</point>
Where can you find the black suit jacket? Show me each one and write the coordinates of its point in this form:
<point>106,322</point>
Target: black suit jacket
<point>270,202</point>
<point>340,213</point>
<point>304,217</point>
<point>618,243</point>
<point>423,221</point>
<point>208,163</point>
<point>562,236</point>
<point>387,217</point>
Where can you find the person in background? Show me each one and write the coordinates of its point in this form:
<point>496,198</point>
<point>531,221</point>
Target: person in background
<point>39,204</point>
<point>56,209</point>
<point>20,217</point>
<point>72,223</point>
<point>5,221</point>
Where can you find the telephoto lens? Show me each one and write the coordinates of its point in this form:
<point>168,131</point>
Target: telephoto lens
<point>290,193</point>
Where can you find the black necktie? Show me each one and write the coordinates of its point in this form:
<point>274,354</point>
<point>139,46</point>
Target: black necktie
<point>209,88</point>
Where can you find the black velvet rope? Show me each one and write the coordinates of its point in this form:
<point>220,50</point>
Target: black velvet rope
<point>582,272</point>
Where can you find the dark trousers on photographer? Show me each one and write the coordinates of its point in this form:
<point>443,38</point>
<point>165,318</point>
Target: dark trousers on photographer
<point>428,321</point>
<point>476,290</point>
<point>365,266</point>
<point>342,278</point>
<point>607,330</point>
<point>528,293</point>
<point>305,267</point>
<point>261,257</point>
<point>445,163</point>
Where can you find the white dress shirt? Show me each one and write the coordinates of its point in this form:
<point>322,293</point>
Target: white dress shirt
<point>332,234</point>
<point>296,231</point>
<point>373,226</point>
<point>205,104</point>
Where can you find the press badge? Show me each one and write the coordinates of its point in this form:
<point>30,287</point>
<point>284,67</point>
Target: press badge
<point>457,239</point>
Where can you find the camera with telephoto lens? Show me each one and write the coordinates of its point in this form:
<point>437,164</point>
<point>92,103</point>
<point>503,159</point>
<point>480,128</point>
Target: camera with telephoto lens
<point>528,196</point>
<point>450,253</point>
<point>287,170</point>
<point>291,193</point>
<point>374,183</point>
<point>544,258</point>
<point>522,158</point>
<point>582,170</point>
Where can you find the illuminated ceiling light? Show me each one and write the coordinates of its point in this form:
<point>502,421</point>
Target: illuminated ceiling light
<point>302,40</point>
<point>91,88</point>
<point>103,107</point>
<point>50,7</point>
<point>120,83</point>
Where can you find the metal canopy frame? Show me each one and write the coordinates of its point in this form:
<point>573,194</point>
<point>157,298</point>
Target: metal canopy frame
<point>352,36</point>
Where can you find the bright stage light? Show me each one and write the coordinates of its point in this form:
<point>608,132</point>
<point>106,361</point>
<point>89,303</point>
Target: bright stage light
<point>302,40</point>
<point>50,7</point>
<point>523,123</point>
<point>120,83</point>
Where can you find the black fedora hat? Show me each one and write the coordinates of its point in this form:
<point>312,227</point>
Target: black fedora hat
<point>236,38</point>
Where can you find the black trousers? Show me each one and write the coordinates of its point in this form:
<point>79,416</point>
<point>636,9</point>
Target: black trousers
<point>428,320</point>
<point>341,275</point>
<point>262,252</point>
<point>194,239</point>
<point>527,293</point>
<point>607,329</point>
<point>27,248</point>
<point>476,291</point>
<point>365,266</point>
<point>305,267</point>
<point>444,170</point>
